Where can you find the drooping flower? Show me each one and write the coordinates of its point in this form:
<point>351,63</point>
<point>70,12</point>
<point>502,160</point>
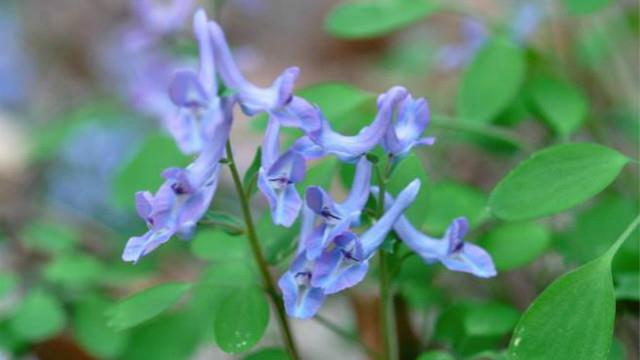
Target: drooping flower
<point>343,263</point>
<point>183,198</point>
<point>278,176</point>
<point>335,218</point>
<point>452,251</point>
<point>324,140</point>
<point>412,117</point>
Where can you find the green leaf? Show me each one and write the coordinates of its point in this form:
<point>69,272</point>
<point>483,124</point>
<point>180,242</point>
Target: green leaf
<point>145,305</point>
<point>491,82</point>
<point>228,223</point>
<point>144,171</point>
<point>8,284</point>
<point>241,320</point>
<point>91,331</point>
<point>493,319</point>
<point>50,237</point>
<point>516,244</point>
<point>269,354</point>
<point>581,7</point>
<point>561,104</point>
<point>216,245</point>
<point>404,172</point>
<point>74,271</point>
<point>628,286</point>
<point>436,355</point>
<point>555,179</point>
<point>39,317</point>
<point>572,319</point>
<point>367,19</point>
<point>449,200</point>
<point>250,180</point>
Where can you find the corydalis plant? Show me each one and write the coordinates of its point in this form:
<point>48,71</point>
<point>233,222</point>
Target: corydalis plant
<point>333,253</point>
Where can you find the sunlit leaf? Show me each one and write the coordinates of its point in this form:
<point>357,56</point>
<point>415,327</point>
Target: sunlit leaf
<point>145,305</point>
<point>366,19</point>
<point>516,244</point>
<point>555,179</point>
<point>241,320</point>
<point>491,81</point>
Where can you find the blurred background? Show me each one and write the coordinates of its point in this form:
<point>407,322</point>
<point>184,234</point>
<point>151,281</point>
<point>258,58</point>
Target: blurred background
<point>82,107</point>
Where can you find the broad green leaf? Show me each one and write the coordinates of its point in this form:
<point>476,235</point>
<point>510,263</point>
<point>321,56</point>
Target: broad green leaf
<point>241,320</point>
<point>8,284</point>
<point>555,179</point>
<point>572,319</point>
<point>581,7</point>
<point>216,245</point>
<point>493,319</point>
<point>250,179</point>
<point>491,82</point>
<point>269,354</point>
<point>628,286</point>
<point>366,19</point>
<point>449,200</point>
<point>516,244</point>
<point>49,236</point>
<point>74,270</point>
<point>145,305</point>
<point>143,172</point>
<point>406,171</point>
<point>39,317</point>
<point>436,355</point>
<point>91,331</point>
<point>561,104</point>
<point>594,227</point>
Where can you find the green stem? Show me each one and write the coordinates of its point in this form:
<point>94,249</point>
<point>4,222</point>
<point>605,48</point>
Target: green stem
<point>346,335</point>
<point>260,260</point>
<point>621,239</point>
<point>387,313</point>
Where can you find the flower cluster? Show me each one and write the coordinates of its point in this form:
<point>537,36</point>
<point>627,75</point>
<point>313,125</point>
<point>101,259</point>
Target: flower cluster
<point>331,256</point>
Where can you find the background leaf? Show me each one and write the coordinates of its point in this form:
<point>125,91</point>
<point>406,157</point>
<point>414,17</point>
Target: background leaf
<point>91,331</point>
<point>241,320</point>
<point>555,179</point>
<point>561,104</point>
<point>448,200</point>
<point>269,354</point>
<point>517,244</point>
<point>38,317</point>
<point>491,81</point>
<point>405,171</point>
<point>579,7</point>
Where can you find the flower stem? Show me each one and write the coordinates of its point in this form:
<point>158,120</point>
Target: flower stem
<point>387,313</point>
<point>287,337</point>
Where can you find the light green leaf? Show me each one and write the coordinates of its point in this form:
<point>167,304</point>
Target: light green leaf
<point>405,171</point>
<point>8,284</point>
<point>241,320</point>
<point>216,245</point>
<point>436,355</point>
<point>555,179</point>
<point>269,354</point>
<point>74,270</point>
<point>516,244</point>
<point>449,200</point>
<point>561,104</point>
<point>39,317</point>
<point>91,331</point>
<point>572,318</point>
<point>628,286</point>
<point>49,236</point>
<point>491,82</point>
<point>366,19</point>
<point>493,319</point>
<point>143,172</point>
<point>581,7</point>
<point>145,305</point>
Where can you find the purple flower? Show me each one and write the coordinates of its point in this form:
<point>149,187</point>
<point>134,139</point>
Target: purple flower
<point>252,98</point>
<point>195,95</point>
<point>455,56</point>
<point>278,175</point>
<point>334,218</point>
<point>183,198</point>
<point>324,140</point>
<point>526,21</point>
<point>412,117</point>
<point>162,17</point>
<point>343,263</point>
<point>451,250</point>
